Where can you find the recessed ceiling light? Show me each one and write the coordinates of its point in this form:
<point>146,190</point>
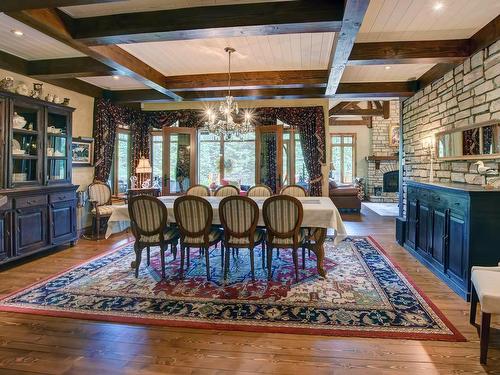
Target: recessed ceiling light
<point>387,67</point>
<point>117,77</point>
<point>438,6</point>
<point>17,32</point>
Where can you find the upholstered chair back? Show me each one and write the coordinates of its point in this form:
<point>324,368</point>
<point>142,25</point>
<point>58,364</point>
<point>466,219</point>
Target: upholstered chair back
<point>294,191</point>
<point>226,191</point>
<point>239,216</point>
<point>100,193</point>
<point>282,215</point>
<point>193,215</point>
<point>260,191</point>
<point>199,191</point>
<point>148,216</point>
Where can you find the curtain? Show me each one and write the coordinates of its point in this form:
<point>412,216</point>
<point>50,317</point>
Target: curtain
<point>104,138</point>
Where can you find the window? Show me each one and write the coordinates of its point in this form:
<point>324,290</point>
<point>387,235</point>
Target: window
<point>294,167</point>
<point>232,160</point>
<point>121,162</point>
<point>343,157</point>
<point>157,156</point>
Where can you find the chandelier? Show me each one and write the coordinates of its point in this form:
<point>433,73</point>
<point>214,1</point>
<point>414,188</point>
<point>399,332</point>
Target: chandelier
<point>228,121</point>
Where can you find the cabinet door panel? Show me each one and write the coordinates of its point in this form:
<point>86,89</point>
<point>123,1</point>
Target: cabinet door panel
<point>63,221</point>
<point>423,227</point>
<point>3,238</point>
<point>411,237</point>
<point>438,236</point>
<point>456,247</point>
<point>31,224</point>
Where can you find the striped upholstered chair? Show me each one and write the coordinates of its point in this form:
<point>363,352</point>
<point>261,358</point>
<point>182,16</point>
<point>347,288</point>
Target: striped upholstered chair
<point>283,217</point>
<point>100,199</point>
<point>194,217</point>
<point>199,191</point>
<point>148,216</point>
<point>239,217</point>
<point>226,191</point>
<point>259,191</point>
<point>296,191</point>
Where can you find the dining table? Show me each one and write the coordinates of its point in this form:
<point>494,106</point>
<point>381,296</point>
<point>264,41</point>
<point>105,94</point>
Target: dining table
<point>319,213</point>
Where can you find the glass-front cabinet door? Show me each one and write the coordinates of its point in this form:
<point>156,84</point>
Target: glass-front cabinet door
<point>269,162</point>
<point>57,145</point>
<point>178,160</point>
<point>26,156</point>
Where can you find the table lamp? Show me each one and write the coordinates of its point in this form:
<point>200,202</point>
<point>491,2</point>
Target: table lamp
<point>143,168</point>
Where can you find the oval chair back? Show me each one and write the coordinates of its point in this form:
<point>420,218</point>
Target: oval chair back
<point>260,191</point>
<point>194,217</point>
<point>148,216</point>
<point>239,217</point>
<point>294,191</point>
<point>283,217</point>
<point>199,191</point>
<point>226,191</point>
<point>100,193</point>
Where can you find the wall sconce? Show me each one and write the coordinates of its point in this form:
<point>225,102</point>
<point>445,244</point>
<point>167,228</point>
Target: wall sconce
<point>429,144</point>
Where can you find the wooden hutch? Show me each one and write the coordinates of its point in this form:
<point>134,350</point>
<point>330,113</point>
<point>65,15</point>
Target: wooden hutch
<point>38,200</point>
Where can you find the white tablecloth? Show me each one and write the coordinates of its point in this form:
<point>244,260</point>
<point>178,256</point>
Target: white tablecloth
<point>319,212</point>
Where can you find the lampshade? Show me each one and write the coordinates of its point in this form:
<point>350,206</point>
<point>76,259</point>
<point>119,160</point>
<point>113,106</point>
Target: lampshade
<point>143,166</point>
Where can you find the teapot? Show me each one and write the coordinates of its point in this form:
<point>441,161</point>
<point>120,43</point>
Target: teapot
<point>18,122</point>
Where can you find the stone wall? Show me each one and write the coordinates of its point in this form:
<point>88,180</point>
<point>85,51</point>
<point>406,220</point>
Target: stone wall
<point>381,147</point>
<point>468,94</point>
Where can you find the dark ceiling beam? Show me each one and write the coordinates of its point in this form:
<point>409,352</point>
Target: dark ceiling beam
<point>249,80</point>
<point>344,40</point>
<point>339,107</point>
<point>265,18</point>
<point>13,63</point>
<point>434,73</point>
<point>366,121</point>
<point>352,109</point>
<point>376,90</point>
<point>410,52</point>
<point>488,35</point>
<point>56,25</point>
<point>17,5</point>
<point>68,68</point>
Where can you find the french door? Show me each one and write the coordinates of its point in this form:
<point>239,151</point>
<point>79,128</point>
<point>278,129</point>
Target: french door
<point>269,160</point>
<point>179,159</point>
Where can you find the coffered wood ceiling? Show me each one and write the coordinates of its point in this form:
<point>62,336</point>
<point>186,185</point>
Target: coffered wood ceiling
<point>285,49</point>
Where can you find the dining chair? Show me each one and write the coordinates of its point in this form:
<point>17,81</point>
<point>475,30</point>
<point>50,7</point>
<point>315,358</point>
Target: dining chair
<point>283,217</point>
<point>198,190</point>
<point>239,217</point>
<point>485,289</point>
<point>226,191</point>
<point>294,191</point>
<point>100,200</point>
<point>148,217</point>
<point>194,217</point>
<point>259,191</point>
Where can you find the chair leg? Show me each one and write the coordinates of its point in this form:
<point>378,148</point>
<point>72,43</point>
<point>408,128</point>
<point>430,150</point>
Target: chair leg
<point>473,305</point>
<point>221,256</point>
<point>252,266</point>
<point>149,255</point>
<point>207,262</point>
<point>98,224</point>
<point>269,261</point>
<point>296,263</point>
<point>162,260</point>
<point>227,255</point>
<point>173,249</point>
<point>183,250</point>
<point>303,257</point>
<point>485,335</point>
<point>263,246</point>
<point>188,256</point>
<point>137,260</point>
<point>277,253</point>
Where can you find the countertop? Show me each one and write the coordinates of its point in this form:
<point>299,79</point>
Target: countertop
<point>454,186</point>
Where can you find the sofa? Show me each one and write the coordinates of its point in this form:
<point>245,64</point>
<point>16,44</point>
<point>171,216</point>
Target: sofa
<point>344,197</point>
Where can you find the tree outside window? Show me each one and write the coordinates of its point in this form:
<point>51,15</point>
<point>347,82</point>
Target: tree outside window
<point>343,157</point>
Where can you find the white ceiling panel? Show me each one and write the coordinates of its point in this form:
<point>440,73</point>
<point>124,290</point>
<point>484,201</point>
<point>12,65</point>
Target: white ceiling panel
<point>110,83</point>
<point>379,73</point>
<point>397,20</point>
<point>33,45</point>
<point>133,6</point>
<point>255,53</point>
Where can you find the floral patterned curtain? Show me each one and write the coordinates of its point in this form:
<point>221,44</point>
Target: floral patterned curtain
<point>104,134</point>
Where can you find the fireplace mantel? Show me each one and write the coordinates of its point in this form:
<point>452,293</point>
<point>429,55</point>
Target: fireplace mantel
<point>378,159</point>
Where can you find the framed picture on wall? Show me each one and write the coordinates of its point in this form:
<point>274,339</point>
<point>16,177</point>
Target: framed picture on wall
<point>394,135</point>
<point>82,152</point>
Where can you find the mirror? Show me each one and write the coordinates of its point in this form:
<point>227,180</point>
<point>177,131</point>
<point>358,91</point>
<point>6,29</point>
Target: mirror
<point>478,141</point>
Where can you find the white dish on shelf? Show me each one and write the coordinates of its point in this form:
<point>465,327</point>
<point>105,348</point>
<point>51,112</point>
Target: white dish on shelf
<point>18,122</point>
<point>19,177</point>
<point>16,148</point>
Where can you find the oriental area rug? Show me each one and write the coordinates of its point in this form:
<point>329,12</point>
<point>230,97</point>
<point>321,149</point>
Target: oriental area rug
<point>365,294</point>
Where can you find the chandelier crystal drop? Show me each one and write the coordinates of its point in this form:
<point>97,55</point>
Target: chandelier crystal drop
<point>227,121</point>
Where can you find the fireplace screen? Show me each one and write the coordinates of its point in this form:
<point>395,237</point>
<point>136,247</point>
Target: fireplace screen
<point>391,182</point>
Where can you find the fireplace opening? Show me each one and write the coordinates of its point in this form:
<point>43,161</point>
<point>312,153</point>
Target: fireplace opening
<point>391,182</point>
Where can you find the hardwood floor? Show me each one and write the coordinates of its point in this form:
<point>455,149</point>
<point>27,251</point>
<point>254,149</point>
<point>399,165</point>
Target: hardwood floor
<point>31,344</point>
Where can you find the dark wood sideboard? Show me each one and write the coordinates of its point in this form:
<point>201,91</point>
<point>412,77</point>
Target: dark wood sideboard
<point>39,212</point>
<point>452,227</point>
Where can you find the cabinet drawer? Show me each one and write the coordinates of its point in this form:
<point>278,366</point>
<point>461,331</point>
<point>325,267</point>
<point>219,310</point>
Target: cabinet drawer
<point>33,201</point>
<point>62,197</point>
